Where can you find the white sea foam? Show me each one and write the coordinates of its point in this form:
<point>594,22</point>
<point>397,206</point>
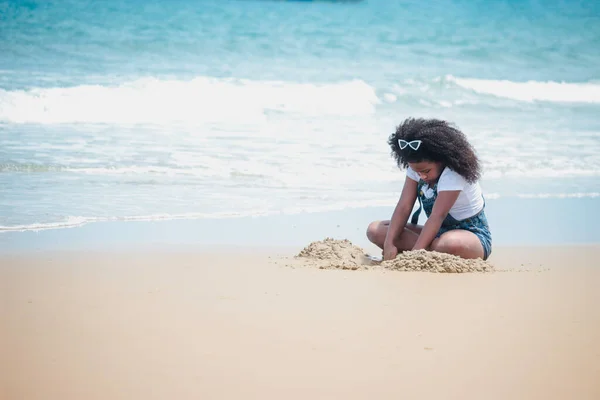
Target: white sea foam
<point>69,222</point>
<point>565,92</point>
<point>284,165</point>
<point>299,175</point>
<point>200,100</point>
<point>73,221</point>
<point>77,221</point>
<point>533,172</point>
<point>578,195</point>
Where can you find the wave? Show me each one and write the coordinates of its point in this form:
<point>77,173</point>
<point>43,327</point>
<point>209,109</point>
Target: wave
<point>558,195</point>
<point>227,100</point>
<point>128,170</point>
<point>69,222</point>
<point>199,100</point>
<point>210,170</point>
<point>562,92</point>
<point>77,221</point>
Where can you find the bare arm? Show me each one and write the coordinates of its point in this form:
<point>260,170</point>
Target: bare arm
<point>402,211</point>
<point>443,203</point>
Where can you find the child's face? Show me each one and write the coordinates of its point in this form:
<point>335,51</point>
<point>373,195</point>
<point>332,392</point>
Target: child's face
<point>429,171</point>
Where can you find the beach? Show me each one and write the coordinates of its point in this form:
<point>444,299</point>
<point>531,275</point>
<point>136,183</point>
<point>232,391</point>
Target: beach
<point>163,163</point>
<point>201,323</point>
<point>224,309</point>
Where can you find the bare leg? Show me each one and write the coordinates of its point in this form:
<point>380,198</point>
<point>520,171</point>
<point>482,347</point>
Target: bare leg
<point>459,242</point>
<point>377,232</point>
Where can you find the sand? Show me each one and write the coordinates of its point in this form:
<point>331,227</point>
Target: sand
<point>194,324</point>
<point>332,253</point>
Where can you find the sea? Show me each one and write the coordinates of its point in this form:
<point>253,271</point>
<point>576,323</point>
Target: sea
<point>145,110</point>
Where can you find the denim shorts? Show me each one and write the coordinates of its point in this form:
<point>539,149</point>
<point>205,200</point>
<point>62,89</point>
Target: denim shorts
<point>477,224</point>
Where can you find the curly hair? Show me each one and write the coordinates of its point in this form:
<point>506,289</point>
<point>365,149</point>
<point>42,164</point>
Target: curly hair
<point>440,142</point>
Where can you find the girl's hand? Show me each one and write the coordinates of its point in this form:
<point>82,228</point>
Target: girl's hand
<point>389,251</point>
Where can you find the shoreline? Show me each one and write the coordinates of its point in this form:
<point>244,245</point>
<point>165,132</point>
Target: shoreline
<point>529,222</point>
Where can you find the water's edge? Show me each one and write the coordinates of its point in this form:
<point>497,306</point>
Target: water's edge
<point>512,221</point>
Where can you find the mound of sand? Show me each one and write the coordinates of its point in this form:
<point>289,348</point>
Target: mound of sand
<point>342,254</point>
<point>432,261</point>
<point>332,253</point>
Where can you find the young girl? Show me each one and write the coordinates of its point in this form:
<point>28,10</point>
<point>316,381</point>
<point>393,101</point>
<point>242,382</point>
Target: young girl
<point>442,172</point>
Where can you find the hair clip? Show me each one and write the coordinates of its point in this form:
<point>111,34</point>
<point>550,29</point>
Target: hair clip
<point>413,144</point>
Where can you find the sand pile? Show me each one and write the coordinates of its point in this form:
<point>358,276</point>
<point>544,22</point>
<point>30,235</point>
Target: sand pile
<point>342,254</point>
<point>331,253</point>
<point>432,261</point>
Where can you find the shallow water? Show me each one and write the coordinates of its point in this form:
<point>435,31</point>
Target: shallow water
<point>142,110</point>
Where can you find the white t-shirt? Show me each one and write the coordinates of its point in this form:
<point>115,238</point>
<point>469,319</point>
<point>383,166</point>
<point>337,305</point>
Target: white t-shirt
<point>470,199</point>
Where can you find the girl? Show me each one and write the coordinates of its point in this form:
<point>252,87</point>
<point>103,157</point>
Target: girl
<point>442,172</point>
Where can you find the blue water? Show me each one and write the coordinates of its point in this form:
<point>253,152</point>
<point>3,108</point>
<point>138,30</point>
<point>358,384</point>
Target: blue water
<point>135,110</point>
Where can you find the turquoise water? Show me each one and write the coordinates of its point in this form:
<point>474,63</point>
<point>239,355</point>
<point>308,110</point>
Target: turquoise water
<point>143,110</point>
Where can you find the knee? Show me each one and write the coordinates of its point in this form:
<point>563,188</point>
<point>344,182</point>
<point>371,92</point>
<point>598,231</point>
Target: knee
<point>373,231</point>
<point>450,245</point>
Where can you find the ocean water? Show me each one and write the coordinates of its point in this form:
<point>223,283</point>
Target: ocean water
<point>187,109</point>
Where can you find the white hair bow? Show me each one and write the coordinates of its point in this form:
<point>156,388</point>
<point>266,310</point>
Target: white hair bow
<point>413,144</point>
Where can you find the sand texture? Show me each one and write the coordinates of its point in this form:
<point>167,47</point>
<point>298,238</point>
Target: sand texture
<point>342,254</point>
<point>190,324</point>
<point>334,254</point>
<point>431,261</point>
